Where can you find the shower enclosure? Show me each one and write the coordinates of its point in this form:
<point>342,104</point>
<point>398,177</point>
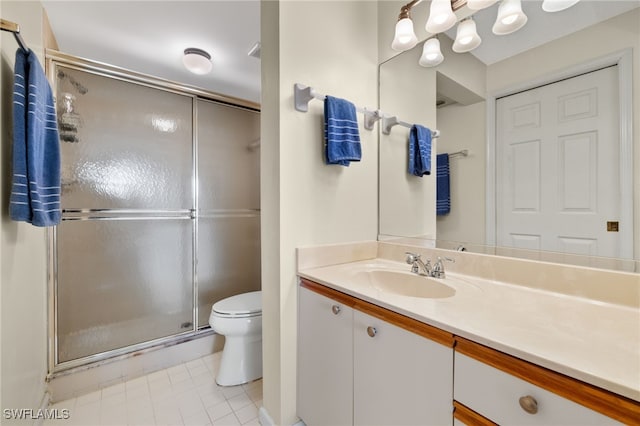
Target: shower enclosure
<point>161,210</point>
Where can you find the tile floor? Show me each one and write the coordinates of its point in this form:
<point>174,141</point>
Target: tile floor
<point>182,395</point>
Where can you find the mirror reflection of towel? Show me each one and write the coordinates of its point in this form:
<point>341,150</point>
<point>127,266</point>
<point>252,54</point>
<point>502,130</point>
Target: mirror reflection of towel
<point>443,196</point>
<point>342,138</point>
<point>419,151</point>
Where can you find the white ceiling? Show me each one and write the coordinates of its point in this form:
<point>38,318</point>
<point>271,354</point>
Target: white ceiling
<point>149,36</point>
<point>542,27</point>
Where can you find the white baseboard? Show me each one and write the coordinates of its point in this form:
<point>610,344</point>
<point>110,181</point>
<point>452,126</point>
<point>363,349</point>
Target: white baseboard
<point>265,419</point>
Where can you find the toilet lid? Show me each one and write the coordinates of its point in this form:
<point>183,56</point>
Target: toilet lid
<point>241,304</point>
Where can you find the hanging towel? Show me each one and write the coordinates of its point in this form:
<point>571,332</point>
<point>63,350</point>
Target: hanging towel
<point>35,193</point>
<point>419,151</point>
<point>443,199</point>
<point>342,138</point>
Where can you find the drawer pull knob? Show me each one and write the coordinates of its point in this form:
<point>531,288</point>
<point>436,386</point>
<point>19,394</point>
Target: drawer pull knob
<point>371,331</point>
<point>529,404</point>
<point>335,309</point>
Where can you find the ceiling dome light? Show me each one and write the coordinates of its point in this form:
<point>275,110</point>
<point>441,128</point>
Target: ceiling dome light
<point>557,5</point>
<point>197,61</point>
<point>467,37</point>
<point>441,17</point>
<point>431,54</point>
<point>405,38</point>
<point>510,17</point>
<point>480,4</point>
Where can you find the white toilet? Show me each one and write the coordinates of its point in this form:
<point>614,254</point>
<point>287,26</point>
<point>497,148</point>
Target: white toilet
<point>239,320</point>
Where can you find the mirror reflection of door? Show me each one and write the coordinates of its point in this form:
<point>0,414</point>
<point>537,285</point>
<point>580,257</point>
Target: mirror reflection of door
<point>557,156</point>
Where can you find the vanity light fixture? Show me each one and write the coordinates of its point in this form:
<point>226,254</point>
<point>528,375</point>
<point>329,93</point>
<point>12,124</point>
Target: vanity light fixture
<point>431,53</point>
<point>197,61</point>
<point>441,17</point>
<point>557,5</point>
<point>405,37</point>
<point>467,37</point>
<point>510,17</point>
<point>480,4</point>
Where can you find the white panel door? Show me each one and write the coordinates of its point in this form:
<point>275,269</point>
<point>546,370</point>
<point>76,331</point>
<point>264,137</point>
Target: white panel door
<point>556,148</point>
<point>399,378</point>
<point>325,359</point>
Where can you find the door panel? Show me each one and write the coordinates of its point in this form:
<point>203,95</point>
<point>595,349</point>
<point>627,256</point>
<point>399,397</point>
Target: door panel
<point>555,148</point>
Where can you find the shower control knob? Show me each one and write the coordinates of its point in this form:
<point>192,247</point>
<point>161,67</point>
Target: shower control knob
<point>335,309</point>
<point>371,331</point>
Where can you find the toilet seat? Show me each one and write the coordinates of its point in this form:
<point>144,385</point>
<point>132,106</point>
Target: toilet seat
<point>240,306</point>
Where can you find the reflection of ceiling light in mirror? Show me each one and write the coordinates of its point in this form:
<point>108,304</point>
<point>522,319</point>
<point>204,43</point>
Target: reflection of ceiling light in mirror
<point>431,54</point>
<point>197,61</point>
<point>510,17</point>
<point>165,125</point>
<point>467,37</point>
<point>441,17</point>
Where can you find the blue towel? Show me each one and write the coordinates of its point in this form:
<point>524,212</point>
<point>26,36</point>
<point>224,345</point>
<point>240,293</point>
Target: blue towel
<point>342,138</point>
<point>35,193</point>
<point>419,151</point>
<point>443,199</point>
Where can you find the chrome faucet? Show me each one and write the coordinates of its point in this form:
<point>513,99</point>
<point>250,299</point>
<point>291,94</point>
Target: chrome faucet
<point>416,263</point>
<point>438,268</point>
<point>424,268</point>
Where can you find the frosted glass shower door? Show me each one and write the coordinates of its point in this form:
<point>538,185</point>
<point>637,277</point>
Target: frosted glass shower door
<point>124,258</point>
<point>228,203</point>
<point>122,282</point>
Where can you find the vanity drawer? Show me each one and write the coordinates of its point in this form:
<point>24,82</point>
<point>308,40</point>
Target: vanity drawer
<point>504,399</point>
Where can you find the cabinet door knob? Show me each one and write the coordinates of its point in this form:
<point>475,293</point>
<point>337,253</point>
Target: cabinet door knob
<point>371,331</point>
<point>335,309</point>
<point>529,404</point>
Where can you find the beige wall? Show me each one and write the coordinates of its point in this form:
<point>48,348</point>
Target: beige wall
<point>23,307</point>
<point>407,202</point>
<point>331,46</point>
<point>613,35</point>
<point>463,127</point>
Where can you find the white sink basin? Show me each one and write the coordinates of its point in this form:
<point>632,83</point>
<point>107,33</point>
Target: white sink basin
<point>405,284</point>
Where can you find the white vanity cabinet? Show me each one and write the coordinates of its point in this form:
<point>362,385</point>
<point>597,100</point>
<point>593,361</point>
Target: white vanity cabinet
<point>325,360</point>
<point>491,387</point>
<point>399,377</point>
<point>369,366</point>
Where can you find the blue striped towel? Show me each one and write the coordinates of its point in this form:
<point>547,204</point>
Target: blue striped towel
<point>419,151</point>
<point>35,193</point>
<point>342,138</point>
<point>443,199</point>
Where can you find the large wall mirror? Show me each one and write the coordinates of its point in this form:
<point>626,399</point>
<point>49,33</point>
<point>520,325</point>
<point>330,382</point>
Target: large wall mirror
<point>542,128</point>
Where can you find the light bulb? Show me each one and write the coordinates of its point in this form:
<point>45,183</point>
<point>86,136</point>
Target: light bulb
<point>557,5</point>
<point>431,54</point>
<point>510,17</point>
<point>467,37</point>
<point>441,17</point>
<point>405,38</point>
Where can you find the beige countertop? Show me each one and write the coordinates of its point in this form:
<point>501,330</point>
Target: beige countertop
<point>588,339</point>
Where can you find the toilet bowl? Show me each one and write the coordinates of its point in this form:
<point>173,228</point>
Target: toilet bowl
<point>239,320</point>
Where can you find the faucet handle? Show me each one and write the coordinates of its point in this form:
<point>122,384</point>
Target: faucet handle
<point>412,257</point>
<point>438,268</point>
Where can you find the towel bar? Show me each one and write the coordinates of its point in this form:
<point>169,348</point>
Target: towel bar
<point>389,122</point>
<point>302,95</point>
